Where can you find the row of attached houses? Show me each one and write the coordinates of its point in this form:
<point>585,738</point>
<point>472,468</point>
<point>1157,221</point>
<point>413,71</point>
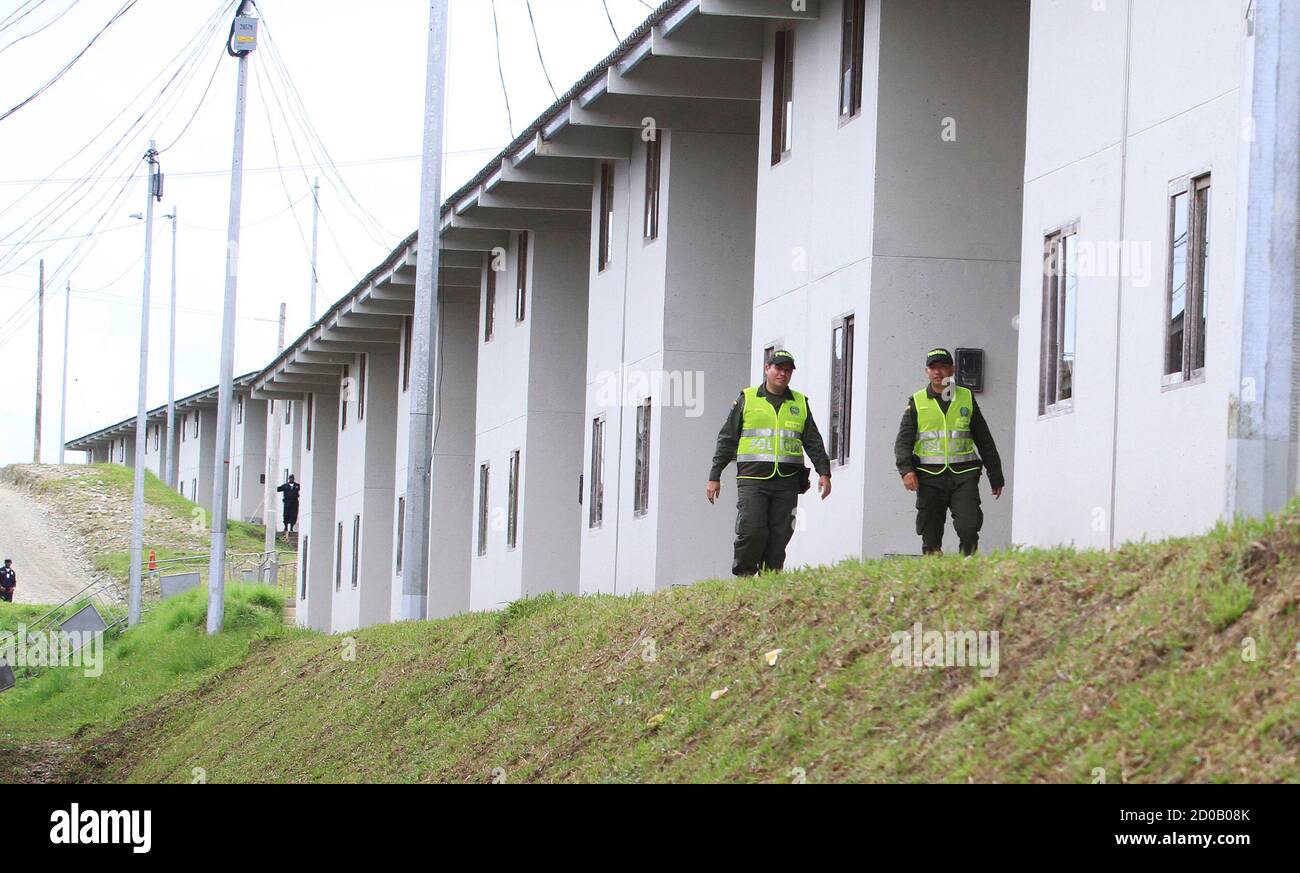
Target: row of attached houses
<point>191,467</point>
<point>1033,184</point>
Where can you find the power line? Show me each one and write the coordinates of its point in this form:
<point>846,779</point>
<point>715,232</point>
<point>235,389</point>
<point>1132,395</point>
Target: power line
<point>610,19</point>
<point>126,7</point>
<point>42,28</point>
<point>528,4</point>
<point>202,98</point>
<point>500,71</point>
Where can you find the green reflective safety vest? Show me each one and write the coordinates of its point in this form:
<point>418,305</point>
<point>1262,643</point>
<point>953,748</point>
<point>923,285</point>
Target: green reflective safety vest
<point>771,440</point>
<point>945,439</point>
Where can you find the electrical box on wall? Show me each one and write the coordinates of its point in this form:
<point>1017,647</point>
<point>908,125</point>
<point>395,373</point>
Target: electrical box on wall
<point>970,368</point>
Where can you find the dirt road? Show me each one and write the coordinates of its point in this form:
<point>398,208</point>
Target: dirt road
<point>45,554</point>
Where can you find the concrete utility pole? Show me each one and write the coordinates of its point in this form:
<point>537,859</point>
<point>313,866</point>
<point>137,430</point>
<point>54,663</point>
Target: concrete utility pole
<point>269,517</point>
<point>40,358</point>
<point>63,393</point>
<point>244,37</point>
<point>1261,449</point>
<point>315,226</point>
<point>154,191</point>
<point>171,473</point>
<point>424,332</point>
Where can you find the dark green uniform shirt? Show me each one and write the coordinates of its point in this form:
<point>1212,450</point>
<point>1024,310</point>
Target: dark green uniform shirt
<point>729,437</point>
<point>906,441</point>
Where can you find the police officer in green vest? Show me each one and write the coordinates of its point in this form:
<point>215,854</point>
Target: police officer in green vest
<point>767,433</point>
<point>942,443</point>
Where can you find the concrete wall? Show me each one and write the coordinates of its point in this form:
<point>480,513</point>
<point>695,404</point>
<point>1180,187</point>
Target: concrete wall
<point>1090,161</point>
<point>947,245</point>
<point>365,474</point>
<point>247,461</point>
<point>316,522</point>
<point>528,401</point>
<point>670,320</point>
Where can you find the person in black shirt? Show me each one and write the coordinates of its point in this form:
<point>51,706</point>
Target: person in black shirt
<point>290,490</point>
<point>8,581</point>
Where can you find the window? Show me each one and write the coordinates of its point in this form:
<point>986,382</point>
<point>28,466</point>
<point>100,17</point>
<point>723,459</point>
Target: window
<point>641,497</point>
<point>338,560</point>
<point>782,95</point>
<point>306,543</point>
<point>288,411</point>
<point>284,477</point>
<point>605,240</point>
<point>521,276</point>
<point>768,350</point>
<point>361,387</point>
<point>841,387</point>
<point>182,487</point>
<point>1186,296</point>
<point>356,549</point>
<point>596,509</point>
<point>852,36</point>
<point>653,151</point>
<point>482,508</point>
<point>512,508</point>
<point>196,424</point>
<point>185,420</point>
<point>408,325</point>
<point>1060,292</point>
<point>311,402</point>
<point>238,471</point>
<point>344,397</point>
<point>239,410</point>
<point>401,531</point>
<point>157,429</point>
<point>490,301</point>
<point>194,489</point>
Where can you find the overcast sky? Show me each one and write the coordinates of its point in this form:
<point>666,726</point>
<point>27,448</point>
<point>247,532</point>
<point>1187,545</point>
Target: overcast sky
<point>359,70</point>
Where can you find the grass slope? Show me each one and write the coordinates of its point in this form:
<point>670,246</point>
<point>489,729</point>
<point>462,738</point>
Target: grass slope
<point>1130,661</point>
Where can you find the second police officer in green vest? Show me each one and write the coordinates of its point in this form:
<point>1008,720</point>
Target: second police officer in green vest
<point>767,433</point>
<point>936,454</point>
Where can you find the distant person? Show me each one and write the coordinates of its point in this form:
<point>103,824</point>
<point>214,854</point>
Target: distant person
<point>290,490</point>
<point>8,581</point>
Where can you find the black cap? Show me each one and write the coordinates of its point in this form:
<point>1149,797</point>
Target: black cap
<point>937,356</point>
<point>781,357</point>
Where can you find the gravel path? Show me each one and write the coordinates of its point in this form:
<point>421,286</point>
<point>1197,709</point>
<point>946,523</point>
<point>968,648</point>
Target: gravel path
<point>45,553</point>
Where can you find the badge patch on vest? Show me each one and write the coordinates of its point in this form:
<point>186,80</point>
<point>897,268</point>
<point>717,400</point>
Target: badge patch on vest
<point>794,410</point>
<point>965,411</point>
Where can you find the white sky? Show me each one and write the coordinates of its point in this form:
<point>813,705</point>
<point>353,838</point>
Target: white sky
<point>359,68</point>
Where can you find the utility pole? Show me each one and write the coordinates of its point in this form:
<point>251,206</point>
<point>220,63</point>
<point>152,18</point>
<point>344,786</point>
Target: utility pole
<point>424,333</point>
<point>315,226</point>
<point>63,394</point>
<point>243,35</point>
<point>40,359</point>
<point>171,473</point>
<point>272,464</point>
<point>154,191</point>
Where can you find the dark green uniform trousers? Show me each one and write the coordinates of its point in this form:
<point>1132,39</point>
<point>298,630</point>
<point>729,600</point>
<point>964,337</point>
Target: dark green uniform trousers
<point>764,523</point>
<point>935,495</point>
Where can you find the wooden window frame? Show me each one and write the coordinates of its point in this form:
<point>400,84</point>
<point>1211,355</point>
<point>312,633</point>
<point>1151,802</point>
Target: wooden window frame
<point>596,504</point>
<point>1196,187</point>
<point>852,45</point>
<point>605,233</point>
<point>641,491</point>
<point>653,185</point>
<point>512,502</point>
<point>484,472</point>
<point>1053,321</point>
<point>521,279</point>
<point>783,96</point>
<point>840,418</point>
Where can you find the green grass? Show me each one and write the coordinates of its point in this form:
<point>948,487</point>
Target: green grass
<point>242,538</point>
<point>1132,662</point>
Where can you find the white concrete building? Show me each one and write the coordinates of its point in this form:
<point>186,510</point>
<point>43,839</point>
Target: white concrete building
<point>1032,184</point>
